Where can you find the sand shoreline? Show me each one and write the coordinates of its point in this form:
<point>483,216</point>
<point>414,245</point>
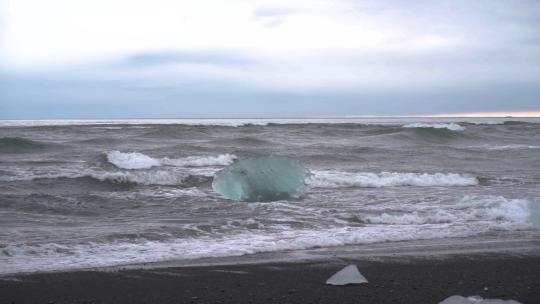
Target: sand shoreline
<point>409,272</point>
<point>426,280</point>
<point>522,243</point>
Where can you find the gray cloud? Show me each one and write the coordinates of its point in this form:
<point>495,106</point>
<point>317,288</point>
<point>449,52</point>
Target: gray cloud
<point>212,57</point>
<point>495,66</point>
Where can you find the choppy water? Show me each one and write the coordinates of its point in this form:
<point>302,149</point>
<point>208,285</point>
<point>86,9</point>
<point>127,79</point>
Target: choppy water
<point>97,193</point>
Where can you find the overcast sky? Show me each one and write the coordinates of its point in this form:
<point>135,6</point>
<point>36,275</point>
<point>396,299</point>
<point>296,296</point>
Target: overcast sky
<point>202,58</point>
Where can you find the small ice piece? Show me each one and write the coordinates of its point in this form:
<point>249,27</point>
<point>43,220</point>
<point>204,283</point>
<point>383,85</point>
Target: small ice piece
<point>347,275</point>
<point>475,300</point>
<point>459,300</point>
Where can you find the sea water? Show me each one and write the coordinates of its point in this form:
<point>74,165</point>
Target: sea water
<point>89,193</point>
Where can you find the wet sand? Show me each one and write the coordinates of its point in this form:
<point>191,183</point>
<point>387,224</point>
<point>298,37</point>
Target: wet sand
<point>392,280</point>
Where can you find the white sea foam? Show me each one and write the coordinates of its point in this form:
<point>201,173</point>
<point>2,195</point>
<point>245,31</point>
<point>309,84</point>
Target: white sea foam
<point>505,213</point>
<point>449,126</point>
<point>199,161</point>
<point>492,213</point>
<point>134,160</point>
<point>487,122</point>
<point>160,177</point>
<point>144,177</point>
<point>339,179</point>
<point>504,147</point>
<point>109,128</point>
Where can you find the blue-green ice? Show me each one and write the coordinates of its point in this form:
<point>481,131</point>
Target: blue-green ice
<point>268,178</point>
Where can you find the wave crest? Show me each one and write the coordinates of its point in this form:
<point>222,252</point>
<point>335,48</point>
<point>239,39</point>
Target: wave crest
<point>198,161</point>
<point>450,126</point>
<point>494,213</point>
<point>18,144</point>
<point>337,179</point>
<point>507,212</point>
<point>504,147</point>
<point>135,160</point>
<point>141,177</point>
<point>132,160</point>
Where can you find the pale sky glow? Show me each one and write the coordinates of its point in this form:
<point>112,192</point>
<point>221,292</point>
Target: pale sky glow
<point>62,58</point>
<point>491,114</point>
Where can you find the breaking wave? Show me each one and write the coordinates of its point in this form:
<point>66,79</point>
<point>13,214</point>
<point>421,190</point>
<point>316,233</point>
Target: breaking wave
<point>200,161</point>
<point>135,160</point>
<point>289,176</point>
<point>468,217</point>
<point>449,126</point>
<point>338,179</point>
<point>507,212</point>
<point>143,177</point>
<point>132,160</point>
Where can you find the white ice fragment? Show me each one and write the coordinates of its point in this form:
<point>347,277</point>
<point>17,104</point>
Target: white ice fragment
<point>347,275</point>
<point>475,300</point>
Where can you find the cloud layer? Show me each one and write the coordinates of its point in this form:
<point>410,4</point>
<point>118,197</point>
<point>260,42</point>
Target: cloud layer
<point>313,58</point>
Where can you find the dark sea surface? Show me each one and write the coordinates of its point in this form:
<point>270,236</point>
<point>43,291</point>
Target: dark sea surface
<point>77,194</point>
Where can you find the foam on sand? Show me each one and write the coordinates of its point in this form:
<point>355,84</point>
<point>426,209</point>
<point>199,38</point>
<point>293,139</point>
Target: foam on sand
<point>340,179</point>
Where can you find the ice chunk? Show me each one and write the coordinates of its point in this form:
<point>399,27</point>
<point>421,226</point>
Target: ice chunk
<point>475,300</point>
<point>347,275</point>
<point>268,178</point>
<point>535,214</point>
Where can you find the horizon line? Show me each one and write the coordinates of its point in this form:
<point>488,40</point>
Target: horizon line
<point>510,114</point>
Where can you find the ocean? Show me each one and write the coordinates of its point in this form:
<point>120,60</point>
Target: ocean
<point>94,193</point>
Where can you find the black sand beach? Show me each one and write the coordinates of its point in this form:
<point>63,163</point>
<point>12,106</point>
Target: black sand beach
<point>424,280</point>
